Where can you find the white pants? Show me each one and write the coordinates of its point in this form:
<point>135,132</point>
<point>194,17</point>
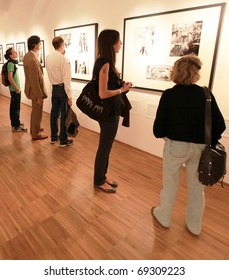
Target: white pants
<point>177,153</point>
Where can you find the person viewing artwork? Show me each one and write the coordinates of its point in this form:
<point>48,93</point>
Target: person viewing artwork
<point>180,120</point>
<point>59,73</point>
<point>110,86</point>
<point>15,90</point>
<point>34,86</point>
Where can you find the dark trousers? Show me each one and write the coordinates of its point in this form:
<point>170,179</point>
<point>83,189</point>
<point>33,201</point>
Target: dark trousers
<point>108,132</point>
<point>59,101</point>
<point>15,103</point>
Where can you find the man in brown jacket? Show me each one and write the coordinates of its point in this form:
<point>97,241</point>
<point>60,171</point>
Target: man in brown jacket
<point>34,86</point>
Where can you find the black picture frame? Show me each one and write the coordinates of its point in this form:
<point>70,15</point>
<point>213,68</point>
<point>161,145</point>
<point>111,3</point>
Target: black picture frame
<point>1,55</point>
<point>41,54</point>
<point>20,49</point>
<point>80,42</point>
<point>153,42</point>
<point>10,45</point>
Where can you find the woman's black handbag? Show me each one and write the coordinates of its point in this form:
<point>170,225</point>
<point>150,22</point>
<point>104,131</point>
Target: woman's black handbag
<point>91,104</point>
<point>212,165</point>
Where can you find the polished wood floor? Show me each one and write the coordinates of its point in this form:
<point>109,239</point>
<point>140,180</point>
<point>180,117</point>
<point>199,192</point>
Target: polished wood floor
<point>49,209</point>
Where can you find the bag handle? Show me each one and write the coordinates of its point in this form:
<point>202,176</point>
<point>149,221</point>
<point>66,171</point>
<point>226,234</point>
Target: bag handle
<point>208,116</point>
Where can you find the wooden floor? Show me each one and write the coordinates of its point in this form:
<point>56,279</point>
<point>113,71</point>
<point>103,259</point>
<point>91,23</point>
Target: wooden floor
<point>49,209</point>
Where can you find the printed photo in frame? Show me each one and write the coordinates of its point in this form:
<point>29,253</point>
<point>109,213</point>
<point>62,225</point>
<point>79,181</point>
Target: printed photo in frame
<point>1,55</point>
<point>20,49</point>
<point>10,45</point>
<point>80,45</point>
<point>152,43</point>
<point>41,54</point>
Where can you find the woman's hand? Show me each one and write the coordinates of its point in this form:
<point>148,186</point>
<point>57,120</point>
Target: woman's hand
<point>126,87</point>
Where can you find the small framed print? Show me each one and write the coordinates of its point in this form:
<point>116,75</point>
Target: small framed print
<point>41,54</point>
<point>20,49</point>
<point>10,45</point>
<point>1,55</point>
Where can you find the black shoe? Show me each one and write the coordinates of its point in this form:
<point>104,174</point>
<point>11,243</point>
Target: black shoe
<point>111,190</point>
<point>113,184</point>
<point>66,143</point>
<point>53,140</point>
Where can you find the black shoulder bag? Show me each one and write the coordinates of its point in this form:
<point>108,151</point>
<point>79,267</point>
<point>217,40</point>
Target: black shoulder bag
<point>212,165</point>
<point>91,104</point>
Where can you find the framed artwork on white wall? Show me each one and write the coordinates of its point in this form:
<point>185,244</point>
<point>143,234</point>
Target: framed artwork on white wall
<point>80,42</point>
<point>10,45</point>
<point>1,55</point>
<point>152,43</point>
<point>20,49</point>
<point>41,54</point>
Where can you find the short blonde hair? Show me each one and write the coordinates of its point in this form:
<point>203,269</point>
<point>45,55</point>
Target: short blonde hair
<point>186,70</point>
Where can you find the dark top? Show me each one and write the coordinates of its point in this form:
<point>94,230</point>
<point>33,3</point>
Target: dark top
<point>120,104</point>
<point>181,115</point>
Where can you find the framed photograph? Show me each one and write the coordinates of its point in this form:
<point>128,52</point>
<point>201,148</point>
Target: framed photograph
<point>20,49</point>
<point>80,42</point>
<point>11,45</point>
<point>1,55</point>
<point>152,43</point>
<point>41,54</point>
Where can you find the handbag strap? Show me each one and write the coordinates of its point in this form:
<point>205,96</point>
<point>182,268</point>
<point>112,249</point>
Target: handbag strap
<point>208,116</point>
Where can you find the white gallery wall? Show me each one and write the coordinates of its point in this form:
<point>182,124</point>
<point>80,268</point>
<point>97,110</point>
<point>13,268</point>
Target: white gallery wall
<point>21,19</point>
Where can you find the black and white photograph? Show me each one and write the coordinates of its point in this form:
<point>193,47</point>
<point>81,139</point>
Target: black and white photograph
<point>1,55</point>
<point>80,49</point>
<point>20,49</point>
<point>82,67</point>
<point>10,45</point>
<point>144,40</point>
<point>186,38</point>
<point>160,73</point>
<point>41,54</point>
<point>152,43</point>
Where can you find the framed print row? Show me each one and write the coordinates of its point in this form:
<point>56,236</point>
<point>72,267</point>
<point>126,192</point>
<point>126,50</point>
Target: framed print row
<point>21,50</point>
<point>152,43</point>
<point>80,44</point>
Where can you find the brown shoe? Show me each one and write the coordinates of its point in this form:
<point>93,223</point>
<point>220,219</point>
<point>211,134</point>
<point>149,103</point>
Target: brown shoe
<point>40,137</point>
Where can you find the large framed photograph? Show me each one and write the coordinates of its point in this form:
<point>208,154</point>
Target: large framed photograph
<point>20,49</point>
<point>80,44</point>
<point>152,43</point>
<point>41,54</point>
<point>1,55</point>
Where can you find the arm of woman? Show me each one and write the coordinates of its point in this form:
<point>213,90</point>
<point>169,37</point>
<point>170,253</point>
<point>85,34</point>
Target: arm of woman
<point>104,92</point>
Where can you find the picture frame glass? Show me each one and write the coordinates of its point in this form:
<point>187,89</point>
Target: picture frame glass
<point>20,49</point>
<point>80,49</point>
<point>152,44</point>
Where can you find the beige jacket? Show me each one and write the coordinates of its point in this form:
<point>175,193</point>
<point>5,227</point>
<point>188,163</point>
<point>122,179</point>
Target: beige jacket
<point>34,81</point>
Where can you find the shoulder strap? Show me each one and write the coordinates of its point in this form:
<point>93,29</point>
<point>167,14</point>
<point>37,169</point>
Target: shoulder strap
<point>208,117</point>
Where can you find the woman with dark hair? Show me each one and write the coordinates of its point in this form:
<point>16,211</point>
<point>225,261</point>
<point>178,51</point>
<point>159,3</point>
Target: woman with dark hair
<point>15,91</point>
<point>110,86</point>
<point>180,120</point>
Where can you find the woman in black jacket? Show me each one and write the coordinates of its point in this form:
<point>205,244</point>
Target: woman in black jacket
<point>180,120</point>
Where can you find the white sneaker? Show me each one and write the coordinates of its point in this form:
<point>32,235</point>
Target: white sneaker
<point>19,129</point>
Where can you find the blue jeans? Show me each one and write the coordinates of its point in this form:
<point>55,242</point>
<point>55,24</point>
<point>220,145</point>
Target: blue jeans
<point>59,101</point>
<point>108,132</point>
<point>15,103</point>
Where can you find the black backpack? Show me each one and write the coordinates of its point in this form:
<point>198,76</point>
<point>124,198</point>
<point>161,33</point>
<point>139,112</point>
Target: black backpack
<point>4,74</point>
